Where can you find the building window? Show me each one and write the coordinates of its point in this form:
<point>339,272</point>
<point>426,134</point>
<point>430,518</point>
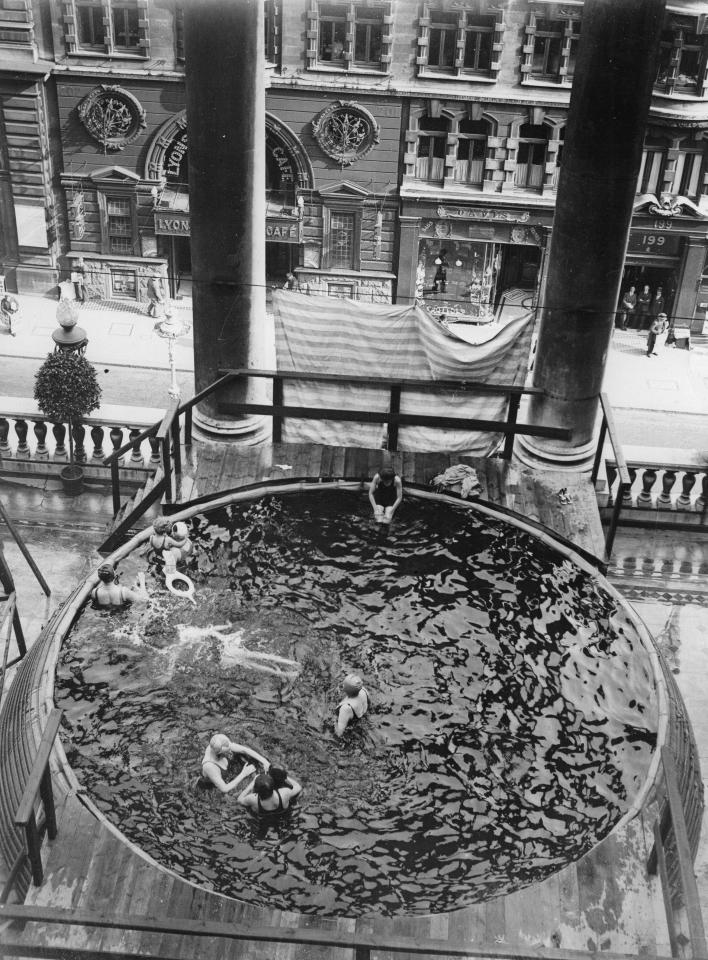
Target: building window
<point>531,156</point>
<point>119,213</point>
<point>179,32</point>
<point>471,151</point>
<point>682,59</point>
<point>459,42</point>
<point>342,238</point>
<point>350,36</point>
<point>272,31</point>
<point>551,48</point>
<point>651,170</point>
<point>431,148</point>
<point>687,180</point>
<point>108,26</point>
<point>559,158</point>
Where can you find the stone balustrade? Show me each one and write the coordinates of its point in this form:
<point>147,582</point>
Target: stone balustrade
<point>678,491</point>
<point>32,445</point>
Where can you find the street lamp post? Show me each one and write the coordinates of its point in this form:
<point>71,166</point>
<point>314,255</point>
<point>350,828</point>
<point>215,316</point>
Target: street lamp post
<point>69,337</point>
<point>170,328</point>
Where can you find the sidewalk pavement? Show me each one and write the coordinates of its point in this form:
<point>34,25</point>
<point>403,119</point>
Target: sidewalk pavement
<point>120,334</point>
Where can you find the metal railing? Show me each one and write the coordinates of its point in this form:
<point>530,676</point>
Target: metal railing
<point>39,783</point>
<point>607,427</point>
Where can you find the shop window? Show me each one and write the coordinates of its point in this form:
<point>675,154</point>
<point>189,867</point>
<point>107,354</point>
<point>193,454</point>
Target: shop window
<point>458,42</point>
<point>471,151</point>
<point>682,59</point>
<point>179,32</point>
<point>431,147</point>
<point>551,47</point>
<point>107,26</point>
<point>118,224</point>
<point>342,234</point>
<point>346,35</point>
<point>531,156</point>
<point>123,284</point>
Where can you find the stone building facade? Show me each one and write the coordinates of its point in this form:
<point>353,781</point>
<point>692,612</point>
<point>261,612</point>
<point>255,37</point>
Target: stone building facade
<point>413,148</point>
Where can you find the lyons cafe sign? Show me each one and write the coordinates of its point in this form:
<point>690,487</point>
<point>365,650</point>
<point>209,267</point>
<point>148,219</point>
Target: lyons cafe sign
<point>175,172</point>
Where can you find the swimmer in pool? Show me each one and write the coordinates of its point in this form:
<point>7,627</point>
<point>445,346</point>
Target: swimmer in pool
<point>216,760</point>
<point>354,705</point>
<point>385,494</point>
<point>262,798</point>
<point>109,593</point>
<point>160,539</point>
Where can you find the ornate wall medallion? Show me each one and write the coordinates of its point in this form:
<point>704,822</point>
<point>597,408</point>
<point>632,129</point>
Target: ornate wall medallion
<point>112,116</point>
<point>345,131</point>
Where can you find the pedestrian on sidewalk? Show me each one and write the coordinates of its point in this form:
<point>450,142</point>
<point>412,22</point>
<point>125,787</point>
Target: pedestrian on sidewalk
<point>78,278</point>
<point>658,304</point>
<point>644,309</point>
<point>156,294</point>
<point>626,314</point>
<point>9,308</point>
<point>658,326</point>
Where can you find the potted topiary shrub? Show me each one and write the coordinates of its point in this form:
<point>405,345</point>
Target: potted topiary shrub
<point>66,389</point>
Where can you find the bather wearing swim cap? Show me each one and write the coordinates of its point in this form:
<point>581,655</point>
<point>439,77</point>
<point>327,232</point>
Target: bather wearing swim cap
<point>354,705</point>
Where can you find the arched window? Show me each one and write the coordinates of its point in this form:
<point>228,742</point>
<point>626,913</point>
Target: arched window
<point>432,141</point>
<point>651,170</point>
<point>531,156</point>
<point>471,151</point>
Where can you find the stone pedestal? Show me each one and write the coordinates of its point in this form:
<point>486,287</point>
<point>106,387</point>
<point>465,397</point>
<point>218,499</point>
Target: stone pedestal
<point>608,111</point>
<point>224,67</point>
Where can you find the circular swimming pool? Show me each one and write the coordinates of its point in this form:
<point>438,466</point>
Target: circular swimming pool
<point>513,716</point>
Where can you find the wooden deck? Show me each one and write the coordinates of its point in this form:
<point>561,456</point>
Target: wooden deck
<point>604,902</point>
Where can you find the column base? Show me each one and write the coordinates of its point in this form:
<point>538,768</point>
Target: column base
<point>249,431</point>
<point>547,455</point>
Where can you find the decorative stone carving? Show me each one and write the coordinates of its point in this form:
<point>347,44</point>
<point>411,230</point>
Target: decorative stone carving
<point>668,205</point>
<point>112,116</point>
<point>345,131</point>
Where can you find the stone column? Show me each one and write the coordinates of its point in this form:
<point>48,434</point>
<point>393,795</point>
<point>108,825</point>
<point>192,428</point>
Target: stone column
<point>609,106</point>
<point>225,81</point>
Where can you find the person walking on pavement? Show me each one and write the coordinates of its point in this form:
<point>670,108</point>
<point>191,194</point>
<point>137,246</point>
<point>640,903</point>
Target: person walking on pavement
<point>657,327</point>
<point>79,280</point>
<point>644,308</point>
<point>658,304</point>
<point>627,308</point>
<point>9,308</point>
<point>156,294</point>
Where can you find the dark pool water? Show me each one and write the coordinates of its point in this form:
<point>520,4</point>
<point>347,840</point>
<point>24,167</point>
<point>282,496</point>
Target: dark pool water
<point>512,720</point>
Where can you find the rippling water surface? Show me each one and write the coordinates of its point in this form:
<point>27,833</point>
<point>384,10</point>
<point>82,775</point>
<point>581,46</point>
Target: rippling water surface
<point>512,714</point>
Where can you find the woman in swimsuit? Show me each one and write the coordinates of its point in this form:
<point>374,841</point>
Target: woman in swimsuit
<point>261,797</point>
<point>385,494</point>
<point>216,761</point>
<point>108,593</point>
<point>354,705</point>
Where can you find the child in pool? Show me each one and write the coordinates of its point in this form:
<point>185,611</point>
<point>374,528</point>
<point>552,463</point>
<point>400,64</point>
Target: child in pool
<point>265,800</point>
<point>354,705</point>
<point>109,593</point>
<point>160,538</point>
<point>385,494</point>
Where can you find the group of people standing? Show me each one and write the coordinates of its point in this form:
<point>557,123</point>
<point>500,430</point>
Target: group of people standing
<point>638,310</point>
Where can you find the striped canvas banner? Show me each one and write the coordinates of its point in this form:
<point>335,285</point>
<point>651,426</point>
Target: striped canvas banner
<point>329,335</point>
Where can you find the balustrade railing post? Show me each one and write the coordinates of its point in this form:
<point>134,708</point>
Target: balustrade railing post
<point>277,402</point>
<point>5,450</point>
<point>34,850</point>
<point>97,434</point>
<point>136,456</point>
<point>394,408</point>
<point>509,437</point>
<point>23,451</point>
<point>40,431</point>
<point>79,434</point>
<point>688,482</point>
<point>59,431</point>
<point>154,449</point>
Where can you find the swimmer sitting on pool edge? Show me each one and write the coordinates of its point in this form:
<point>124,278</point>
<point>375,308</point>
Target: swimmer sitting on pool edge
<point>216,761</point>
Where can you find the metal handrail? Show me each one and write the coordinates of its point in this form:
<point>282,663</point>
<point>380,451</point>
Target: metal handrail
<point>607,426</point>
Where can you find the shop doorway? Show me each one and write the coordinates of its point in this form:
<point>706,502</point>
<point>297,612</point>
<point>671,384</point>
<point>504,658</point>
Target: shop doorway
<point>182,261</point>
<point>281,258</point>
<point>641,275</point>
<point>520,266</point>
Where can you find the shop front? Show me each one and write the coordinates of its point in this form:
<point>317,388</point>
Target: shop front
<point>470,260</point>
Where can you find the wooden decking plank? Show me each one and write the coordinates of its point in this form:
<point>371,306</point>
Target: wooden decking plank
<point>494,492</point>
<point>209,463</point>
<point>327,462</point>
<point>314,467</point>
